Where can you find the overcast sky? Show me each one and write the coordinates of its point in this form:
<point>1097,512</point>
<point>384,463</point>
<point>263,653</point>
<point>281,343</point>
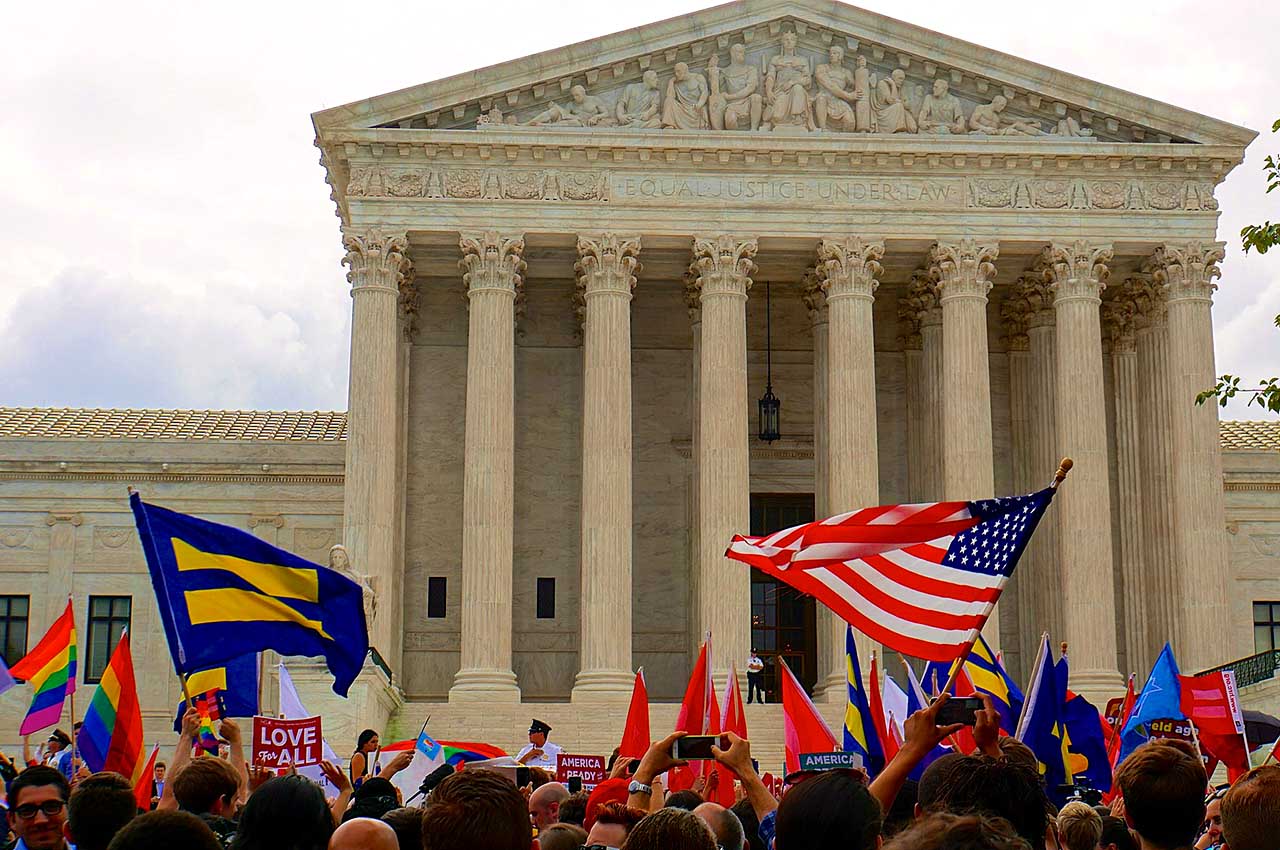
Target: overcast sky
<point>166,231</point>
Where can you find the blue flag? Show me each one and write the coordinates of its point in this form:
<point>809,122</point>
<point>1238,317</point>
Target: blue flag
<point>989,677</point>
<point>859,731</point>
<point>237,683</point>
<point>223,594</point>
<point>916,700</point>
<point>1040,726</point>
<point>1087,761</point>
<point>1161,699</point>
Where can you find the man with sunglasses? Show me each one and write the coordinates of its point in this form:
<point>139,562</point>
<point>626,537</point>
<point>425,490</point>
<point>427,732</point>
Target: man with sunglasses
<point>38,808</point>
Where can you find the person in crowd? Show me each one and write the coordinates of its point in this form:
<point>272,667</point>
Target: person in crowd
<point>902,813</point>
<point>687,799</point>
<point>755,678</point>
<point>1211,829</point>
<point>207,788</point>
<point>831,809</point>
<point>724,825</point>
<point>286,813</point>
<point>609,791</point>
<point>1116,835</point>
<point>476,808</point>
<point>613,823</point>
<point>373,799</point>
<point>670,829</point>
<point>165,830</point>
<point>1079,827</point>
<point>157,783</point>
<point>750,824</point>
<point>544,804</point>
<point>364,834</point>
<point>573,810</point>
<point>57,750</point>
<point>982,785</point>
<point>562,836</point>
<point>945,831</point>
<point>38,808</point>
<point>99,807</point>
<point>1251,810</point>
<point>407,823</point>
<point>1163,784</point>
<point>539,752</point>
<point>363,759</point>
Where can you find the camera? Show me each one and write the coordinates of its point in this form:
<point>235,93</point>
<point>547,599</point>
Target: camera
<point>1082,792</point>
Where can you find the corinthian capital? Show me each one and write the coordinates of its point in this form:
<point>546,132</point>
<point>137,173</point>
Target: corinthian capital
<point>376,259</point>
<point>1147,299</point>
<point>724,264</point>
<point>607,263</point>
<point>962,269</point>
<point>1118,315</point>
<point>1015,315</point>
<point>492,260</point>
<point>1187,271</point>
<point>815,300</point>
<point>692,295</point>
<point>915,306</point>
<point>850,266</point>
<point>1078,269</point>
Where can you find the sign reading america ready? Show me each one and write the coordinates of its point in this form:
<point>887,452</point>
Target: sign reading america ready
<point>830,761</point>
<point>590,769</point>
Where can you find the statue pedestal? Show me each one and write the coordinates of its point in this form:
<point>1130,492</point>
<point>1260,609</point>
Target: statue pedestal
<point>370,702</point>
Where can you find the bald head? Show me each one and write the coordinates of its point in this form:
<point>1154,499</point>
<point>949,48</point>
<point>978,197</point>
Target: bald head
<point>724,825</point>
<point>364,834</point>
<point>544,804</point>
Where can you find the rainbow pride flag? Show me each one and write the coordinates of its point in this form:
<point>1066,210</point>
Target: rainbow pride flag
<point>51,670</point>
<point>208,708</point>
<point>111,737</point>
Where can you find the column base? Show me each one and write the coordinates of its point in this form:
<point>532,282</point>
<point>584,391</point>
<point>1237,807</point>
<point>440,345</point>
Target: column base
<point>1097,685</point>
<point>831,689</point>
<point>603,686</point>
<point>484,685</point>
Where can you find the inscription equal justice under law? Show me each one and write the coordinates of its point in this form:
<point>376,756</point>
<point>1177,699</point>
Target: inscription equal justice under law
<point>717,190</point>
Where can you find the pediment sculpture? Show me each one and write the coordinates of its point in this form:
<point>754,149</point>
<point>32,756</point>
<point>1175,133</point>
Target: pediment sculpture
<point>787,87</point>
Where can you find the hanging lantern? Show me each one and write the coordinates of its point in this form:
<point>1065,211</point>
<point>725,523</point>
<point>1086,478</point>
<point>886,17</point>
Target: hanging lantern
<point>770,406</point>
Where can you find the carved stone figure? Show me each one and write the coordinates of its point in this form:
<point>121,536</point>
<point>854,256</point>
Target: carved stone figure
<point>685,106</point>
<point>888,107</point>
<point>340,561</point>
<point>735,91</point>
<point>583,110</point>
<point>787,82</point>
<point>641,104</point>
<point>941,113</point>
<point>1071,127</point>
<point>839,104</point>
<point>988,119</point>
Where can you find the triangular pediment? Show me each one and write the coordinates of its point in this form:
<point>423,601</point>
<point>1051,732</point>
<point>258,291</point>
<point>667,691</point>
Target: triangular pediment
<point>540,90</point>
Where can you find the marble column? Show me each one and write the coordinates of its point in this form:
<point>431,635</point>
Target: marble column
<point>1015,313</point>
<point>1079,273</point>
<point>724,268</point>
<point>1128,397</point>
<point>912,305</point>
<point>930,388</point>
<point>493,270</point>
<point>963,273</point>
<point>848,269</point>
<point>1155,458</point>
<point>378,266</point>
<point>606,269</point>
<point>1187,272</point>
<point>693,304</point>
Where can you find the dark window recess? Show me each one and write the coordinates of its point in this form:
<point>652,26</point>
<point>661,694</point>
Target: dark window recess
<point>1266,626</point>
<point>14,615</point>
<point>109,616</point>
<point>546,599</point>
<point>437,586</point>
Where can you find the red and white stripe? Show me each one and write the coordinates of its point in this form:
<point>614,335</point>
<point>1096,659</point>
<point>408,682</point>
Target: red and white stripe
<point>881,569</point>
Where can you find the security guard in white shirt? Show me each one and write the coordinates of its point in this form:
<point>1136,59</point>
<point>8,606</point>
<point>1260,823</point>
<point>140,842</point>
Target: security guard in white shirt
<point>540,752</point>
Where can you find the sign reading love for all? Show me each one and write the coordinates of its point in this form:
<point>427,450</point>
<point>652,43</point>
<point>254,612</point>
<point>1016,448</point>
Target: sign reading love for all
<point>286,743</point>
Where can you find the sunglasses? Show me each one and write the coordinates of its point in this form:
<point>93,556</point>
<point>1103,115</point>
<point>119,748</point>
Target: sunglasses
<point>50,808</point>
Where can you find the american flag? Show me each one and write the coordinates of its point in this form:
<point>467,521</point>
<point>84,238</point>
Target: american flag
<point>920,579</point>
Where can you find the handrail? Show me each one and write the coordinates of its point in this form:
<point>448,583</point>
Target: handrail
<point>1251,669</point>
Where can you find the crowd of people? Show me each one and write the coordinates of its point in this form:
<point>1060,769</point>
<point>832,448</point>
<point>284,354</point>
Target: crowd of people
<point>993,799</point>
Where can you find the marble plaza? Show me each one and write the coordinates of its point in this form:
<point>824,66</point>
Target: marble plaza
<point>974,265</point>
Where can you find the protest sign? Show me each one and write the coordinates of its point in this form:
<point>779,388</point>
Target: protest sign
<point>830,761</point>
<point>284,743</point>
<point>589,768</point>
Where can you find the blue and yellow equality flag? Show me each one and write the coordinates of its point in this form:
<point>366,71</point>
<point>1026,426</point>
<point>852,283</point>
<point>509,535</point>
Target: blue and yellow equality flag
<point>1040,726</point>
<point>859,731</point>
<point>989,677</point>
<point>1085,752</point>
<point>223,594</point>
<point>237,684</point>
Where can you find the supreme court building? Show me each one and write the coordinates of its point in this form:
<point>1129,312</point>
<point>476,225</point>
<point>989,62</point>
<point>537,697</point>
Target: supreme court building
<point>573,276</point>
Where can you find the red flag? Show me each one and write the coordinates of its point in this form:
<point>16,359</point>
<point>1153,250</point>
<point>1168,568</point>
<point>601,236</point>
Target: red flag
<point>143,788</point>
<point>878,717</point>
<point>734,718</point>
<point>635,735</point>
<point>719,778</point>
<point>1212,704</point>
<point>694,716</point>
<point>804,729</point>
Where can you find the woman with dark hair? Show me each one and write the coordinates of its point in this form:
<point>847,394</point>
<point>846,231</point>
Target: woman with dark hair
<point>670,829</point>
<point>832,810</point>
<point>375,797</point>
<point>362,759</point>
<point>286,813</point>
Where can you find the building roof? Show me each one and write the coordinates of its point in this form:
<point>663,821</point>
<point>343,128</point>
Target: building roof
<point>64,423</point>
<point>1243,436</point>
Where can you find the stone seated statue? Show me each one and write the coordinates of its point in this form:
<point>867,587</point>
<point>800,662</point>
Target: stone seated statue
<point>583,110</point>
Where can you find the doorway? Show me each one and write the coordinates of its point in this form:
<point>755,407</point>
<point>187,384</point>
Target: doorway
<point>782,618</point>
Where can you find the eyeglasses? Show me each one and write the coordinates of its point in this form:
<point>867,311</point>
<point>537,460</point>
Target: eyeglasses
<point>50,808</point>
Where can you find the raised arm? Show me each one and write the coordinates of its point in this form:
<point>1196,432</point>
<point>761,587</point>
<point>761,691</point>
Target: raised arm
<point>186,741</point>
<point>738,759</point>
<point>922,734</point>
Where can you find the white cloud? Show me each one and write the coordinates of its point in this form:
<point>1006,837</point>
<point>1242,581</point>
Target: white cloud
<point>167,234</point>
